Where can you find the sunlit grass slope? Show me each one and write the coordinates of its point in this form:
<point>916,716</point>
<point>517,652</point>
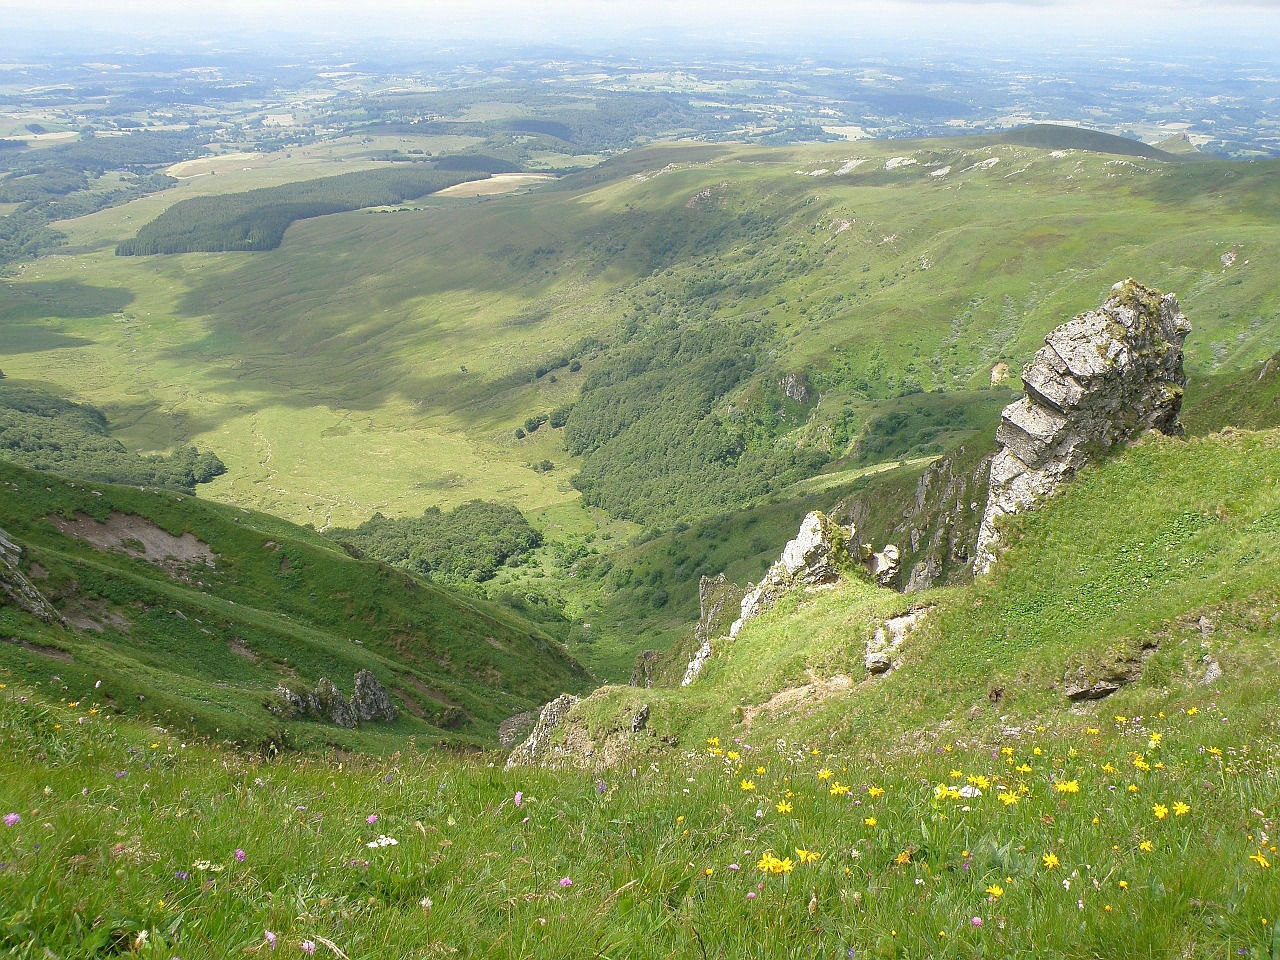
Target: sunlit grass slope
<point>381,360</point>
<point>782,806</point>
<point>201,645</point>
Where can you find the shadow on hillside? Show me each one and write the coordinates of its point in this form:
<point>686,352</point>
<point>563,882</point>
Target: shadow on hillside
<point>30,311</point>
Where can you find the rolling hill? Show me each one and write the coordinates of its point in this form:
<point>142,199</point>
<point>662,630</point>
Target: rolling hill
<point>193,613</point>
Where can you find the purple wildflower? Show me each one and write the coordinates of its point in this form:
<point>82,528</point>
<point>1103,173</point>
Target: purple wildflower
<point>566,882</point>
<point>240,855</point>
<point>12,819</point>
<point>308,947</point>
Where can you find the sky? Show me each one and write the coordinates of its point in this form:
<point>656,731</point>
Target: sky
<point>1243,21</point>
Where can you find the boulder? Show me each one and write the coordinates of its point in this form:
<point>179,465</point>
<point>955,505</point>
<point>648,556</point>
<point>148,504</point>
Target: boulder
<point>20,590</point>
<point>537,748</point>
<point>883,647</point>
<point>1101,380</point>
<point>371,700</point>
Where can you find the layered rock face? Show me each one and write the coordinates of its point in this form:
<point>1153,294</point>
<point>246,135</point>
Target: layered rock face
<point>325,701</point>
<point>537,748</point>
<point>1101,380</point>
<point>821,550</point>
<point>18,589</point>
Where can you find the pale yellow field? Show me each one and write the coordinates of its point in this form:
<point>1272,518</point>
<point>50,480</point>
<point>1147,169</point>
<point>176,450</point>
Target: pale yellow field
<point>499,183</point>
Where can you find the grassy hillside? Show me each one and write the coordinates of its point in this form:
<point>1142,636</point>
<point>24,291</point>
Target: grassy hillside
<point>383,361</point>
<point>192,613</point>
<point>431,325</point>
<point>783,806</point>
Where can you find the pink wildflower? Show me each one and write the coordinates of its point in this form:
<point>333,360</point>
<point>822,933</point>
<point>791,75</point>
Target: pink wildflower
<point>566,882</point>
<point>308,947</point>
<point>12,819</point>
<point>519,798</point>
<point>371,818</point>
<point>240,855</point>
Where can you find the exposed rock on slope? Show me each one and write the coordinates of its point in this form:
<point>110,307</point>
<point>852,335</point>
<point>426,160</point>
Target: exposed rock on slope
<point>325,701</point>
<point>18,589</point>
<point>821,550</point>
<point>1100,380</point>
<point>537,749</point>
<point>936,523</point>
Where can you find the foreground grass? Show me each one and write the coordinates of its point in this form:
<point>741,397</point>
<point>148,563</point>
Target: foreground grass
<point>1094,836</point>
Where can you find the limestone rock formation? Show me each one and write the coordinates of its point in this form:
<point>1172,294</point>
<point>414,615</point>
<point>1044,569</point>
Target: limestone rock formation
<point>935,525</point>
<point>716,597</point>
<point>371,700</point>
<point>813,558</point>
<point>883,648</point>
<point>537,748</point>
<point>821,550</point>
<point>644,669</point>
<point>1101,380</point>
<point>1097,683</point>
<point>515,728</point>
<point>325,702</point>
<point>18,589</point>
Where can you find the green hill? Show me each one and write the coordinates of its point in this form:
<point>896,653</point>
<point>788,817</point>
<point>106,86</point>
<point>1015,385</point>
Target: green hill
<point>1049,136</point>
<point>784,804</point>
<point>192,613</point>
<point>706,328</point>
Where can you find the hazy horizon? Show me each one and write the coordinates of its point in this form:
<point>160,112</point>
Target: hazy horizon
<point>824,25</point>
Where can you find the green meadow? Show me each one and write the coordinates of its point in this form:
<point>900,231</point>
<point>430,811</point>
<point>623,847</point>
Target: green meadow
<point>784,805</point>
<point>382,360</point>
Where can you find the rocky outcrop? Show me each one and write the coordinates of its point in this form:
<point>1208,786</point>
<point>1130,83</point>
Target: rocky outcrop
<point>934,524</point>
<point>325,702</point>
<point>645,668</point>
<point>883,647</point>
<point>371,702</point>
<point>537,749</point>
<point>814,558</point>
<point>718,600</point>
<point>1097,683</point>
<point>19,590</point>
<point>820,552</point>
<point>1101,380</point>
<point>514,729</point>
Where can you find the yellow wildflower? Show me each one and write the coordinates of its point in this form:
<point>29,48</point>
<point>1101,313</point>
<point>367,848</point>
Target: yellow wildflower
<point>1008,798</point>
<point>1023,768</point>
<point>733,755</point>
<point>807,856</point>
<point>981,782</point>
<point>1067,786</point>
<point>1050,861</point>
<point>838,789</point>
<point>905,857</point>
<point>1260,860</point>
<point>759,771</point>
<point>1193,711</point>
<point>870,821</point>
<point>783,806</point>
<point>1160,810</point>
<point>825,774</point>
<point>748,785</point>
<point>875,791</point>
<point>1180,808</point>
<point>1146,846</point>
<point>713,741</point>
